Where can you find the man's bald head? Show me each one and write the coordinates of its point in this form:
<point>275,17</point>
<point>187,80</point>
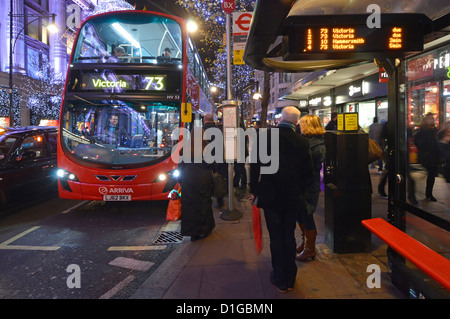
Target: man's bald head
<point>290,114</point>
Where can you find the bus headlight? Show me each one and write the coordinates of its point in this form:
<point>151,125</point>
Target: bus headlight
<point>169,176</point>
<point>65,175</point>
<point>176,173</point>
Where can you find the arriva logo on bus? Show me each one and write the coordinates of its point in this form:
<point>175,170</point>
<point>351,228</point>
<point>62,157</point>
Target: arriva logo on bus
<point>115,190</point>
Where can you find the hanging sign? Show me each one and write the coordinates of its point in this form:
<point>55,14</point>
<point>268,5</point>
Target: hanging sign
<point>241,26</point>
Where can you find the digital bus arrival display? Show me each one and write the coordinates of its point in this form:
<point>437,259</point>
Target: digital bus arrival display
<point>350,37</point>
<point>346,39</point>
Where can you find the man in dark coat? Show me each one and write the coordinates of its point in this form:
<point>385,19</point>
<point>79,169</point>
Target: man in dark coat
<point>428,154</point>
<point>197,219</point>
<point>332,125</point>
<point>279,195</point>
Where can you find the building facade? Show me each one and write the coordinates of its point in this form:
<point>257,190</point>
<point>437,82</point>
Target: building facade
<point>39,58</point>
<point>279,82</point>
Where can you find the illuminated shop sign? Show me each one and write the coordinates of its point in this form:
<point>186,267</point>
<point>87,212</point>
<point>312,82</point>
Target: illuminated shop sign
<point>434,64</point>
<point>348,36</point>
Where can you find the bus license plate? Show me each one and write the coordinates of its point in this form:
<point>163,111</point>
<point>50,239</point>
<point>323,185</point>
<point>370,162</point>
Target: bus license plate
<point>115,198</point>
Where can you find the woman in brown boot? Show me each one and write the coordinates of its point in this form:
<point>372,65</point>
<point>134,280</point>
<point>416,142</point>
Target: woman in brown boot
<point>311,127</point>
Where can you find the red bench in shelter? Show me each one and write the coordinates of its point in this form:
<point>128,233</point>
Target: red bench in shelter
<point>427,260</point>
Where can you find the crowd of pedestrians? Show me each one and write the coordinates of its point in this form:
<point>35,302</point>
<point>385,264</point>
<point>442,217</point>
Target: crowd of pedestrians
<point>289,197</point>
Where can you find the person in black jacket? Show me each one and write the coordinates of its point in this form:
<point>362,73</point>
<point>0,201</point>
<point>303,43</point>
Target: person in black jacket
<point>332,125</point>
<point>196,183</point>
<point>428,154</point>
<point>279,194</point>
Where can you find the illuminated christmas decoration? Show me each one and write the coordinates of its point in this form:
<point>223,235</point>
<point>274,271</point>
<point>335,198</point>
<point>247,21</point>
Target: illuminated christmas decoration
<point>112,5</point>
<point>212,48</point>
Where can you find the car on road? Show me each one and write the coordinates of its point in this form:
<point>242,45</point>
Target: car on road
<point>27,163</point>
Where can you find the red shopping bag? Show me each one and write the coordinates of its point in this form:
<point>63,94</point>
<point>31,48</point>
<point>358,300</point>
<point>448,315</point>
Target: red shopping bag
<point>174,208</point>
<point>257,229</point>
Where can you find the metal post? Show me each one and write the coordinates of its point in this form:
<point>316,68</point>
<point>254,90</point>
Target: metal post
<point>230,214</point>
<point>11,113</point>
<point>228,21</point>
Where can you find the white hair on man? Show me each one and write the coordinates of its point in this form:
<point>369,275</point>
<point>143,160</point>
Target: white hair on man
<point>290,114</point>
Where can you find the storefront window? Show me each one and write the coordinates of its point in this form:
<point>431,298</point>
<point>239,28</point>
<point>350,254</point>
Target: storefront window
<point>427,98</point>
<point>366,113</point>
<point>446,97</point>
<point>424,98</point>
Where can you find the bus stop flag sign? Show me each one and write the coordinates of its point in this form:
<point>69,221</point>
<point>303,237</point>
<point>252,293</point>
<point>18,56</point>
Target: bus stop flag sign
<point>228,6</point>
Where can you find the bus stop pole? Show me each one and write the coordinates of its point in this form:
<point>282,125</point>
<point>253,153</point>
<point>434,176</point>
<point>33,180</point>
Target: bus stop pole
<point>230,213</point>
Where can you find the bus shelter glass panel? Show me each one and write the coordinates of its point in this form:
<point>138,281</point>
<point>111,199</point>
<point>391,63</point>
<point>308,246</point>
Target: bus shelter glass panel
<point>428,130</point>
<point>125,38</point>
<point>119,132</point>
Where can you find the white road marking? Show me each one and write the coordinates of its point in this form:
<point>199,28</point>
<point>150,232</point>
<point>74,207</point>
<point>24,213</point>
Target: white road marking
<point>73,207</point>
<point>6,244</point>
<point>138,248</point>
<point>9,241</point>
<point>117,287</point>
<point>130,263</point>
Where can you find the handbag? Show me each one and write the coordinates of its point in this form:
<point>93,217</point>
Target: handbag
<point>219,185</point>
<point>174,209</point>
<point>375,151</point>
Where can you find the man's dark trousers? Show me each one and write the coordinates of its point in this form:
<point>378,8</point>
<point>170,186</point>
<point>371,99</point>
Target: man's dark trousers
<point>281,225</point>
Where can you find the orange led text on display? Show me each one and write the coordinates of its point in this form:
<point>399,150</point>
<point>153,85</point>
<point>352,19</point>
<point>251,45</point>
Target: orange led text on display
<point>343,38</point>
<point>395,41</point>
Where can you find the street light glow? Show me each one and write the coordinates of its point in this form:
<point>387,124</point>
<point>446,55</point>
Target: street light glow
<point>191,26</point>
<point>257,96</point>
<point>52,28</point>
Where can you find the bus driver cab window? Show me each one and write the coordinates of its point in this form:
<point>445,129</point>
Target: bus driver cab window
<point>113,132</point>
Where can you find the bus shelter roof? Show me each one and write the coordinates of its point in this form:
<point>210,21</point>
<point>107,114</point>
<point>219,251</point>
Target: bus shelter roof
<point>264,48</point>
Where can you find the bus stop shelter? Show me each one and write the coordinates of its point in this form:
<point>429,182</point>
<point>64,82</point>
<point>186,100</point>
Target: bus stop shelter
<point>306,36</point>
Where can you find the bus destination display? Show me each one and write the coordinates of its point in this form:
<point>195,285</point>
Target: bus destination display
<point>95,82</point>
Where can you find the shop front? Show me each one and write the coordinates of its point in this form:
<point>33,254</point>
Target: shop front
<point>322,105</point>
<point>428,86</point>
<point>366,96</point>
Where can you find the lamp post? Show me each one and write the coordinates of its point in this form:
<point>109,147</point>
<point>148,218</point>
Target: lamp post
<point>256,95</point>
<point>52,28</point>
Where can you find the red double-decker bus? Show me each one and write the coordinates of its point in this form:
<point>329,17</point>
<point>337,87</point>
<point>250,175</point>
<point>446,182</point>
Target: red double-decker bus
<point>130,74</point>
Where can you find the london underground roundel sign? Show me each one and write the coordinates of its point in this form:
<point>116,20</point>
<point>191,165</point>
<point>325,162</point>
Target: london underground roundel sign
<point>228,6</point>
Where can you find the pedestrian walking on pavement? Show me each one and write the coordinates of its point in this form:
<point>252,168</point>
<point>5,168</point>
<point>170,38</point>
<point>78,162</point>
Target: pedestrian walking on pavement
<point>197,219</point>
<point>279,196</point>
<point>375,130</point>
<point>428,154</point>
<point>332,125</point>
<point>220,168</point>
<point>311,127</point>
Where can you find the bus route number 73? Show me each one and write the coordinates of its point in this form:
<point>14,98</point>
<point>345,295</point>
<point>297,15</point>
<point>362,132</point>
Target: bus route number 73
<point>155,83</point>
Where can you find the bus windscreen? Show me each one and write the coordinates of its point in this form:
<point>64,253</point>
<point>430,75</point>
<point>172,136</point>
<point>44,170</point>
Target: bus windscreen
<point>129,38</point>
<point>119,132</point>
